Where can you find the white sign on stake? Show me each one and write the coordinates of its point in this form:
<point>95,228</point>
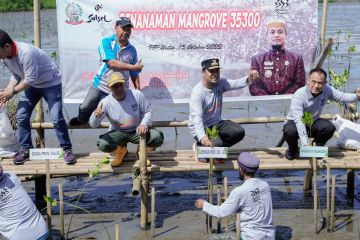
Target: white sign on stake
<point>46,153</point>
<point>212,152</point>
<point>314,151</point>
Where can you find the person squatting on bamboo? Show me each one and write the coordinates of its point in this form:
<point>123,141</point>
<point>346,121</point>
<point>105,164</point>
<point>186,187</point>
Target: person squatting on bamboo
<point>34,76</point>
<point>116,54</point>
<point>252,199</point>
<point>277,71</point>
<point>19,218</point>
<point>206,106</point>
<point>312,99</point>
<point>129,114</point>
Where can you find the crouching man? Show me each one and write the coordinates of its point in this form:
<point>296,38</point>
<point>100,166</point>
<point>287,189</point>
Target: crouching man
<point>129,114</point>
<point>252,199</point>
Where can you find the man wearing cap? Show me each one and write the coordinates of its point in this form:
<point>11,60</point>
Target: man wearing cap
<point>130,116</point>
<point>117,54</point>
<point>252,199</point>
<point>19,218</point>
<point>34,76</point>
<point>312,99</point>
<point>206,106</point>
<point>277,71</point>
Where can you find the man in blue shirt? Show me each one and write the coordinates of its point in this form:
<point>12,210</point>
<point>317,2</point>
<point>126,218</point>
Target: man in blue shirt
<point>116,55</point>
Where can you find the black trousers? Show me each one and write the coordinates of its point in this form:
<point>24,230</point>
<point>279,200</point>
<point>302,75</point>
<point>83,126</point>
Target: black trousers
<point>322,130</point>
<point>230,133</point>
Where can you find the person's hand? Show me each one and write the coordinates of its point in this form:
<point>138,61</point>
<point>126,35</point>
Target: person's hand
<point>99,112</point>
<point>3,102</point>
<point>141,129</point>
<point>6,93</point>
<point>358,93</point>
<point>205,141</point>
<point>138,66</point>
<point>253,75</point>
<point>199,203</point>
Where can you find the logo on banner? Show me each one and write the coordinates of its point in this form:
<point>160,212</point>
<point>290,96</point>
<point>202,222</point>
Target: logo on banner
<point>97,17</point>
<point>281,6</point>
<point>74,12</point>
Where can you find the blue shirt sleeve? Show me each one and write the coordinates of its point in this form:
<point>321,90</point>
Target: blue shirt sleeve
<point>135,59</point>
<point>106,50</point>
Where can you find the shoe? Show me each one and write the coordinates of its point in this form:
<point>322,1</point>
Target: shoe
<point>219,160</point>
<point>120,154</point>
<point>21,157</point>
<point>74,122</point>
<point>69,157</point>
<point>198,160</point>
<point>289,155</point>
<point>148,150</point>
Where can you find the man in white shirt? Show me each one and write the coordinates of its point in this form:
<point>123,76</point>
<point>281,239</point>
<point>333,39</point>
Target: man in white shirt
<point>252,199</point>
<point>130,116</point>
<point>19,218</point>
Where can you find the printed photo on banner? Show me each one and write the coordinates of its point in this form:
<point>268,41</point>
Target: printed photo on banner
<point>272,42</point>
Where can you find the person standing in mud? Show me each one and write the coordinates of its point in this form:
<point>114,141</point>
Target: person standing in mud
<point>206,106</point>
<point>252,199</point>
<point>117,54</point>
<point>130,116</point>
<point>19,218</point>
<point>34,76</point>
<point>277,71</point>
<point>312,99</point>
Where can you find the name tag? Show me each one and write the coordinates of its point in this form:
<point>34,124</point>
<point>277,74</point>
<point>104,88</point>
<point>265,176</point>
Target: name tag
<point>212,152</point>
<point>314,151</point>
<point>46,153</point>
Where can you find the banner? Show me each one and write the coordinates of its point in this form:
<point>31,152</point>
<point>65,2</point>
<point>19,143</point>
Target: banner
<point>173,37</point>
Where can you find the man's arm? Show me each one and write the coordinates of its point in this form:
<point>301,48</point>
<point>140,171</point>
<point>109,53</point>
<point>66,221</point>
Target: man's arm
<point>236,83</point>
<point>98,115</point>
<point>299,77</point>
<point>343,97</point>
<point>230,206</point>
<point>256,87</point>
<point>145,110</point>
<point>196,113</point>
<point>136,81</point>
<point>297,109</point>
<point>121,66</point>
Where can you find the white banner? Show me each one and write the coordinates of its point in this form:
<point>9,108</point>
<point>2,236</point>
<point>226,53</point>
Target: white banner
<point>173,37</point>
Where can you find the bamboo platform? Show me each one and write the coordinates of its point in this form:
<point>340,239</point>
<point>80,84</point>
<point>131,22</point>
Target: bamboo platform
<point>184,161</point>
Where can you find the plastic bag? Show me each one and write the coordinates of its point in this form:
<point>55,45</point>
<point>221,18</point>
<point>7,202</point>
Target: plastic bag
<point>349,133</point>
<point>8,142</point>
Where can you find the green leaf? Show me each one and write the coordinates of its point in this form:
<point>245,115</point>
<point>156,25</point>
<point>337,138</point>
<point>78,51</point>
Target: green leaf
<point>307,119</point>
<point>105,160</point>
<point>62,154</point>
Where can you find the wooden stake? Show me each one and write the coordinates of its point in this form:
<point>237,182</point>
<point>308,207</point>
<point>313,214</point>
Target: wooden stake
<point>152,211</point>
<point>327,197</point>
<point>307,180</point>
<point>218,183</point>
<point>323,25</point>
<point>225,197</point>
<point>61,211</point>
<point>314,163</point>
<point>333,186</point>
<point>117,231</point>
<point>210,193</point>
<point>238,232</point>
<point>144,183</point>
<point>48,193</point>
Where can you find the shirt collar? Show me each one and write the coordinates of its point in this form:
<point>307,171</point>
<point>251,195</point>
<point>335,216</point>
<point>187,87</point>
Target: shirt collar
<point>274,52</point>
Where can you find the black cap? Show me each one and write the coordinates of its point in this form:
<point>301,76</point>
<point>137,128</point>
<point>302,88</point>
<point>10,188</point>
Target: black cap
<point>123,21</point>
<point>211,63</point>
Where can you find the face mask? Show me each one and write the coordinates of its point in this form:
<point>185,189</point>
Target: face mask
<point>276,47</point>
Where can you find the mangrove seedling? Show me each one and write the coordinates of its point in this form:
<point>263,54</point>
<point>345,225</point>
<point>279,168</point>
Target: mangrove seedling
<point>308,120</point>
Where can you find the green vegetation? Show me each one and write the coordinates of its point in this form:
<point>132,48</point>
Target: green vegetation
<point>24,5</point>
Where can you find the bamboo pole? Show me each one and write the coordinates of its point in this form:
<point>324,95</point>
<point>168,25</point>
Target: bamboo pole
<point>251,120</point>
<point>328,197</point>
<point>144,182</point>
<point>61,210</point>
<point>333,186</point>
<point>324,53</point>
<point>225,197</point>
<point>210,193</point>
<point>152,211</point>
<point>48,193</point>
<point>219,184</point>
<point>323,24</point>
<point>117,231</point>
<point>238,230</point>
<point>314,163</point>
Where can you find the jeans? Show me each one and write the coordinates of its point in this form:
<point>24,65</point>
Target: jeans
<point>322,130</point>
<point>27,102</point>
<point>230,133</point>
<point>109,141</point>
<point>90,103</point>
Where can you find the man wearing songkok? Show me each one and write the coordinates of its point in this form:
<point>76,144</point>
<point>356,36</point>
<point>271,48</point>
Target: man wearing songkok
<point>206,106</point>
<point>312,99</point>
<point>34,76</point>
<point>277,71</point>
<point>117,54</point>
<point>129,114</point>
<point>19,218</point>
<point>252,199</point>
